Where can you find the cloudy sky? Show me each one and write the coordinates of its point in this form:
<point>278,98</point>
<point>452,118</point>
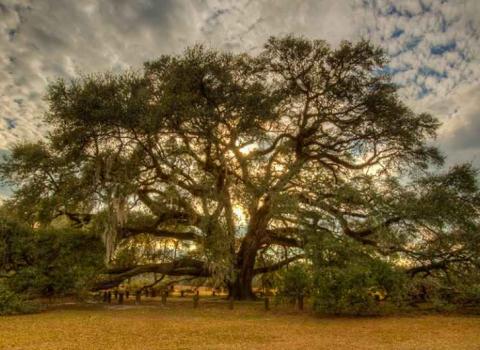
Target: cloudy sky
<point>433,44</point>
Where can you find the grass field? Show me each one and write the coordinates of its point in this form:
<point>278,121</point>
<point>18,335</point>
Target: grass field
<point>214,326</point>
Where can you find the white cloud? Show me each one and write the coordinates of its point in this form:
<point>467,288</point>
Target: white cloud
<point>434,47</point>
<point>43,40</point>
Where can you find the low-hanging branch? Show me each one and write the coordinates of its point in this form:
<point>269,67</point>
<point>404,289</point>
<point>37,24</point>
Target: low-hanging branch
<point>437,265</point>
<point>181,267</point>
<point>127,232</point>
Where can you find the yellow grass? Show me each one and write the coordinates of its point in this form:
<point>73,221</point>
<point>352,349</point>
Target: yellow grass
<point>213,326</point>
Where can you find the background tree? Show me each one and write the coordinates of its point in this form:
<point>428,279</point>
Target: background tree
<point>247,157</point>
<point>44,263</point>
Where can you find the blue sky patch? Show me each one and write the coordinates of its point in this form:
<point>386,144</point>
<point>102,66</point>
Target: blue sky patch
<point>427,71</point>
<point>11,123</point>
<point>441,49</point>
<point>397,32</point>
<point>413,43</point>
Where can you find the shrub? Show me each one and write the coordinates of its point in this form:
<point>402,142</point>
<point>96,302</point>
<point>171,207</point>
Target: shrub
<point>51,262</point>
<point>294,282</point>
<point>448,292</point>
<point>11,303</point>
<point>65,262</point>
<point>359,289</point>
<point>349,279</point>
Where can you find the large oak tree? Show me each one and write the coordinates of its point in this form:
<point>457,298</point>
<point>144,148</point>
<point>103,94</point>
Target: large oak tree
<point>246,156</point>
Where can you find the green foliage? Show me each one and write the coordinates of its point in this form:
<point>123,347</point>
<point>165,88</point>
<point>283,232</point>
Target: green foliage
<point>470,294</point>
<point>448,289</point>
<point>48,262</point>
<point>294,281</point>
<point>350,281</point>
<point>358,289</point>
<point>12,303</point>
<point>305,138</point>
<point>66,262</point>
<point>16,245</point>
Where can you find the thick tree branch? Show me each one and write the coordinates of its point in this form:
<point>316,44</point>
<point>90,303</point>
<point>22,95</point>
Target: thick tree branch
<point>127,232</point>
<point>278,265</point>
<point>280,236</point>
<point>439,265</point>
<point>79,219</point>
<point>182,267</point>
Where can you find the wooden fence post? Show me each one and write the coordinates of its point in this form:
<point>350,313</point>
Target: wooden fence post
<point>267,304</point>
<point>120,298</point>
<point>164,298</point>
<point>300,302</point>
<point>138,296</point>
<point>196,298</point>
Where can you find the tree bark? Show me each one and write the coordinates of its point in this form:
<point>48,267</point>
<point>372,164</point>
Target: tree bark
<point>241,288</point>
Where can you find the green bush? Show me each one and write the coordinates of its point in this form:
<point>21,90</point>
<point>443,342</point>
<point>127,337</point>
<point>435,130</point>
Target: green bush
<point>447,292</point>
<point>294,282</point>
<point>53,262</point>
<point>17,245</point>
<point>65,262</point>
<point>12,304</point>
<point>350,280</point>
<point>359,289</point>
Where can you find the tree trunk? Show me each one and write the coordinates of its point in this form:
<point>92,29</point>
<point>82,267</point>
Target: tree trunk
<point>241,288</point>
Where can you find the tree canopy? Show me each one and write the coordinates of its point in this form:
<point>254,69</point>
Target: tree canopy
<point>240,161</point>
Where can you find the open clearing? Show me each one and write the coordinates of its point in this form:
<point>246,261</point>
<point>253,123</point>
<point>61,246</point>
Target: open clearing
<point>213,326</point>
